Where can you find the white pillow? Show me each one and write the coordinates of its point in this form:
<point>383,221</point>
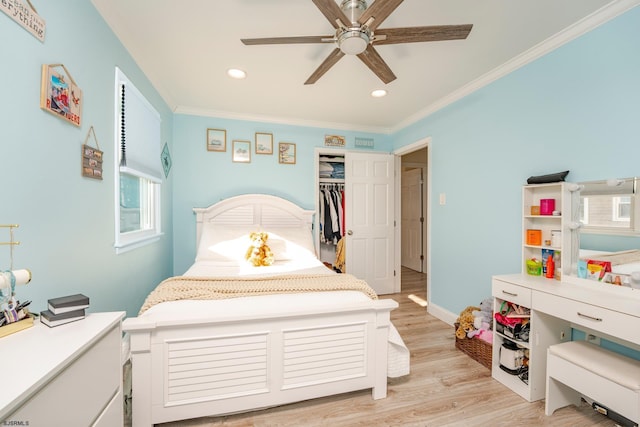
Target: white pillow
<point>291,243</point>
<point>230,243</point>
<point>224,243</point>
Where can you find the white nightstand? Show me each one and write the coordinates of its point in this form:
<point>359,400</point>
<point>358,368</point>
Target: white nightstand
<point>68,375</point>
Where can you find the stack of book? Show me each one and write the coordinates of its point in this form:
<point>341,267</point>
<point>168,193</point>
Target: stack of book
<point>64,310</point>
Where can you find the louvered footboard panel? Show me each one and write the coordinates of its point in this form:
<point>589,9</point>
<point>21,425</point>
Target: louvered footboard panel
<point>216,368</point>
<point>320,355</point>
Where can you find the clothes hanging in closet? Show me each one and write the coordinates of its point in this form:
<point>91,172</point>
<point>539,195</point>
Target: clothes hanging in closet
<point>341,258</point>
<point>331,213</point>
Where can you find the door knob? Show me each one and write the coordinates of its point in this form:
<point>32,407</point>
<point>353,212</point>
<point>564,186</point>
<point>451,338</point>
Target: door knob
<point>349,232</point>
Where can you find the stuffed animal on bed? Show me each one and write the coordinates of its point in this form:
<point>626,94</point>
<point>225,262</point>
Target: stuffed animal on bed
<point>259,254</point>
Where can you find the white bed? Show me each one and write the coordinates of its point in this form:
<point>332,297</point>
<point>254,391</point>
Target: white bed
<point>195,358</point>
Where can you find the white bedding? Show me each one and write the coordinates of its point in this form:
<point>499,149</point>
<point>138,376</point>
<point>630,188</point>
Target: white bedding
<point>398,353</point>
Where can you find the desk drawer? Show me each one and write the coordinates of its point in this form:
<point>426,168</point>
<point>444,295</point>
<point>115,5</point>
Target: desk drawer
<point>510,292</point>
<point>598,319</point>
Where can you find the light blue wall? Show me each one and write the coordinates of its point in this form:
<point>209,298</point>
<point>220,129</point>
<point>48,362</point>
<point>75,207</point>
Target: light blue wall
<point>67,221</point>
<point>203,177</point>
<point>577,109</point>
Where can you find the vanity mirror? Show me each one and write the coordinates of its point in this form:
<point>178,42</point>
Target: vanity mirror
<point>606,223</point>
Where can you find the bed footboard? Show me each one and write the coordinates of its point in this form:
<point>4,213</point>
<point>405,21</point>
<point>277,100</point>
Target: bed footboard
<point>212,367</point>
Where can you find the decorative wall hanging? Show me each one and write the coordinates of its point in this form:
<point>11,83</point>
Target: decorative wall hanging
<point>242,151</point>
<point>364,142</point>
<point>60,95</point>
<point>91,157</point>
<point>287,153</point>
<point>165,158</point>
<point>26,16</point>
<point>264,143</point>
<point>334,141</point>
<point>216,140</point>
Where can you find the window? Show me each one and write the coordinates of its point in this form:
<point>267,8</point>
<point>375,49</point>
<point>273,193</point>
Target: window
<point>621,209</point>
<point>138,170</point>
<point>584,210</point>
<point>610,207</point>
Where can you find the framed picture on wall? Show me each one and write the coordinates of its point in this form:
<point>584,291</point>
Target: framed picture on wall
<point>91,157</point>
<point>242,151</point>
<point>264,143</point>
<point>287,153</point>
<point>60,95</point>
<point>334,140</point>
<point>216,140</point>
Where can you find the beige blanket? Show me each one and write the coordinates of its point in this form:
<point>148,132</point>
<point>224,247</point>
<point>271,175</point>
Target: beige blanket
<point>202,288</point>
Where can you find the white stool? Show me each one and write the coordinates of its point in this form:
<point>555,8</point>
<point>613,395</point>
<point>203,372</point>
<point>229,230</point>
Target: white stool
<point>579,368</point>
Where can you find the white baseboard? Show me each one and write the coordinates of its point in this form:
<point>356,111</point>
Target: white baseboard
<point>442,314</point>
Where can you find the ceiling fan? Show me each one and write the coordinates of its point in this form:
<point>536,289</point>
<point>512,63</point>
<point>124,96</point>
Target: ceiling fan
<point>357,31</point>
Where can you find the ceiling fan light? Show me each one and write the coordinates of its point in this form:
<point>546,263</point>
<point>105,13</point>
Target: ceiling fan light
<point>379,93</point>
<point>236,73</point>
<point>353,42</point>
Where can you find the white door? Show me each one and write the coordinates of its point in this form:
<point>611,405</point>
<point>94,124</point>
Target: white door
<point>411,224</point>
<point>369,219</point>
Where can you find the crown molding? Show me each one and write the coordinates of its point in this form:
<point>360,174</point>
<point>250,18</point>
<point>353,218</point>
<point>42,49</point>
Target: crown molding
<point>280,120</point>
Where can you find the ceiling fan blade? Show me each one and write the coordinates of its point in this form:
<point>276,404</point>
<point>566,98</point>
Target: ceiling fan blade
<point>379,11</point>
<point>423,34</point>
<point>374,61</point>
<point>329,62</point>
<point>332,12</point>
<point>289,40</point>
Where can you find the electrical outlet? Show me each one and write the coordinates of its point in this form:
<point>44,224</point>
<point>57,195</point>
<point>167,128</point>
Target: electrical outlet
<point>443,199</point>
<point>593,339</point>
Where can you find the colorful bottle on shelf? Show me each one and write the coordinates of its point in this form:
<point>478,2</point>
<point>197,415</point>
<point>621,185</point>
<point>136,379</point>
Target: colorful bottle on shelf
<point>550,273</point>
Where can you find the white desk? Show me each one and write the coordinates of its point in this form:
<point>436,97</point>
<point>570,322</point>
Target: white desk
<point>67,375</point>
<point>604,310</point>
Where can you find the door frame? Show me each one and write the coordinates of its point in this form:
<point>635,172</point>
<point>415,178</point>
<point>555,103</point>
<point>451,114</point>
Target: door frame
<point>418,145</point>
<point>392,160</point>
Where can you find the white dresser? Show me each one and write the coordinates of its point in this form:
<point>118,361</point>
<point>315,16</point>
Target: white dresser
<point>70,375</point>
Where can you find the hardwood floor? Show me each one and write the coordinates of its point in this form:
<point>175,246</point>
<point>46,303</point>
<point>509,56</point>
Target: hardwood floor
<point>445,388</point>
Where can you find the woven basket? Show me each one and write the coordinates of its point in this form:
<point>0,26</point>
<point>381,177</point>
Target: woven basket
<point>479,350</point>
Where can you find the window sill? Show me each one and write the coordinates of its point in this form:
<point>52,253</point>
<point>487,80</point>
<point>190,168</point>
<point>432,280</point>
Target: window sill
<point>132,244</point>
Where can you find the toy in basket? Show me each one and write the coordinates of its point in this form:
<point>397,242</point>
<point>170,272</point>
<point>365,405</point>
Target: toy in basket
<point>473,332</point>
<point>477,349</point>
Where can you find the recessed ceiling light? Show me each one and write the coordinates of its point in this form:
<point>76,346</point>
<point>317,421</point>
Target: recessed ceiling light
<point>379,93</point>
<point>236,73</point>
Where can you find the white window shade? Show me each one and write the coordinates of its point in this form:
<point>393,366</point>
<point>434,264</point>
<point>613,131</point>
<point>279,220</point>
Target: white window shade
<point>139,135</point>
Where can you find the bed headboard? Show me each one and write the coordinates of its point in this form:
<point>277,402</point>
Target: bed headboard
<point>253,209</point>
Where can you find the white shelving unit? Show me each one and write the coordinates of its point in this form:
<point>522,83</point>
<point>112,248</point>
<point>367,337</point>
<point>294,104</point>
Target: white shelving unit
<point>531,196</point>
<point>543,330</point>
